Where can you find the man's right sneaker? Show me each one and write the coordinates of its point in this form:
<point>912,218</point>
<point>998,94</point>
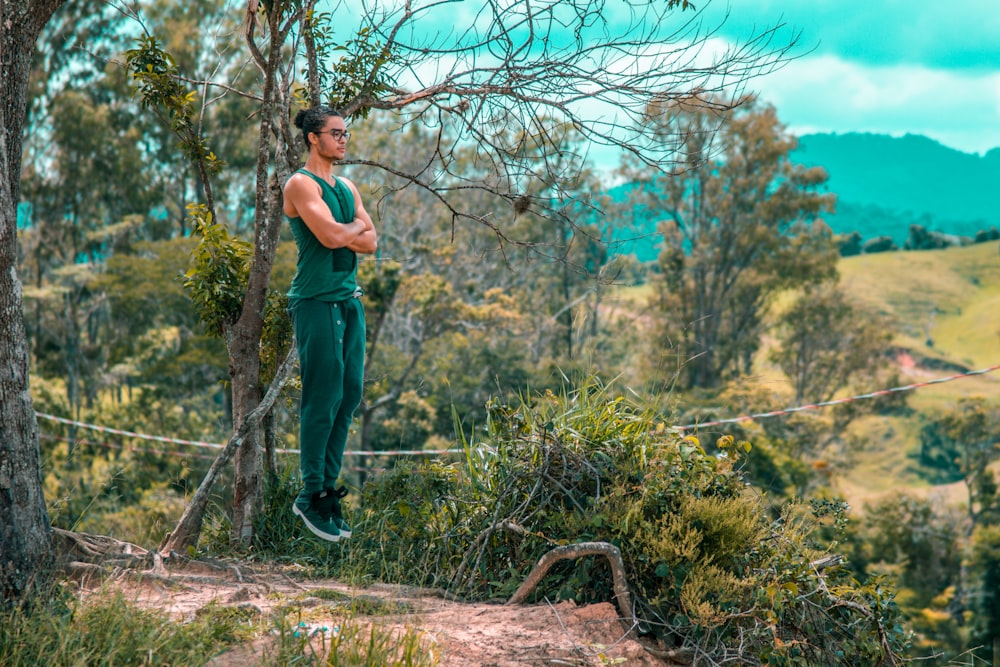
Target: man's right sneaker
<point>320,525</point>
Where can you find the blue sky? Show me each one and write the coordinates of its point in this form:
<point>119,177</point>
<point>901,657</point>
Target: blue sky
<point>928,67</point>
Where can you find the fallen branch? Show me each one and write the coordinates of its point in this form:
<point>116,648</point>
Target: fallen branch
<point>606,549</point>
<point>185,534</point>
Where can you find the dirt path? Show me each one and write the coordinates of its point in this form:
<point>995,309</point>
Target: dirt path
<point>460,634</point>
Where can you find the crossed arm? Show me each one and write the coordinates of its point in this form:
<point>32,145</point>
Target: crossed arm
<point>367,241</point>
<point>304,199</point>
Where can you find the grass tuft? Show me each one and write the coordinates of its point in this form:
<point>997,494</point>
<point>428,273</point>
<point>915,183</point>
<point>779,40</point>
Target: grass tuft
<point>60,629</point>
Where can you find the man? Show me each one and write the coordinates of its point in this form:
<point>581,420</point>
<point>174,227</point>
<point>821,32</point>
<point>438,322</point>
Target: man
<point>330,226</point>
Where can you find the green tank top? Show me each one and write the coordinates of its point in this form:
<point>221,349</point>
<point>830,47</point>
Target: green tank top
<point>323,273</point>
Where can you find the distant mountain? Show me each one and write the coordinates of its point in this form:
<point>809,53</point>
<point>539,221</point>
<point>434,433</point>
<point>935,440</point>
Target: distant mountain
<point>884,184</point>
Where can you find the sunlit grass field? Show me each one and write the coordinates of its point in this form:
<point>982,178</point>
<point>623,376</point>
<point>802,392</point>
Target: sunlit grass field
<point>949,297</point>
<point>946,305</point>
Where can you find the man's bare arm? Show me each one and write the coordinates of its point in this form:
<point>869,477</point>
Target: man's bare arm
<point>304,199</point>
<point>367,242</point>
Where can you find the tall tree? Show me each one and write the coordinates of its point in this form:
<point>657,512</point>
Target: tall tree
<point>91,191</point>
<point>968,436</point>
<point>24,523</point>
<point>737,223</point>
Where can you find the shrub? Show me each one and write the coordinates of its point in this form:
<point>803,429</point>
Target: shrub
<point>712,570</point>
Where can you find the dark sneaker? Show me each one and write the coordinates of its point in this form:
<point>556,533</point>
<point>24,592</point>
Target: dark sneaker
<point>320,525</point>
<point>345,530</point>
<point>338,515</point>
<point>327,502</point>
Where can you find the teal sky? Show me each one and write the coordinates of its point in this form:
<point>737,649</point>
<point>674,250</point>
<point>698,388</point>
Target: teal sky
<point>896,67</point>
<point>928,67</point>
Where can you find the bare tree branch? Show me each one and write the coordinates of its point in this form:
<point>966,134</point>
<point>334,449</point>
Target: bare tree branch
<point>186,532</point>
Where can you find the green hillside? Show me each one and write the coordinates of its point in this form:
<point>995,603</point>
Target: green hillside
<point>947,306</point>
<point>946,302</point>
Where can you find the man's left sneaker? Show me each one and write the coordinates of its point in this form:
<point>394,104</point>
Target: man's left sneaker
<point>338,516</point>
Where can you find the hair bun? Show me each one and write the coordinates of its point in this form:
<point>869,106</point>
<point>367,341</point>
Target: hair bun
<point>300,118</point>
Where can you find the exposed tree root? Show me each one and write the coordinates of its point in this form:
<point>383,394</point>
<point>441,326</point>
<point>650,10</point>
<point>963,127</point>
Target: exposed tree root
<point>85,556</point>
<point>606,549</point>
<point>97,549</point>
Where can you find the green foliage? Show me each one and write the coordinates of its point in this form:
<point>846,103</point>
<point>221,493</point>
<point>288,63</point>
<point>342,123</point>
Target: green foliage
<point>923,544</point>
<point>61,630</point>
<point>360,76</point>
<point>406,424</point>
<point>411,525</point>
<point>277,335</point>
<point>152,324</point>
<point>159,86</point>
<point>220,268</point>
<point>472,367</point>
<point>828,343</point>
<point>966,440</point>
<point>738,225</point>
<point>117,485</point>
<point>917,545</point>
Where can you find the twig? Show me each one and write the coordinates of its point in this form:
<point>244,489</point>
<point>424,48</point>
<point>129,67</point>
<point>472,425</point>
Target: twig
<point>480,541</point>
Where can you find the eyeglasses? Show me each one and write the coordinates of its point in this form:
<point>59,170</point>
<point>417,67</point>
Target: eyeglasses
<point>337,135</point>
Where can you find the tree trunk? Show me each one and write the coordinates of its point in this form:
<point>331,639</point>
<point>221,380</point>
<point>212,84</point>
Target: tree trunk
<point>249,461</point>
<point>185,534</point>
<point>244,339</point>
<point>25,534</point>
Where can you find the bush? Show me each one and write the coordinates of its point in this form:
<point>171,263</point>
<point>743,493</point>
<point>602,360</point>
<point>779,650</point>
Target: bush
<point>879,244</point>
<point>984,235</point>
<point>712,570</point>
<point>848,245</point>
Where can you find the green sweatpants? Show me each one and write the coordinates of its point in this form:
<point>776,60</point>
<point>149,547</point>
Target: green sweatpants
<point>331,345</point>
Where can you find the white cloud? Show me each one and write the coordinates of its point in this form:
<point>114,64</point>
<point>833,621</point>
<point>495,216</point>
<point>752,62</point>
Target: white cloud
<point>960,109</point>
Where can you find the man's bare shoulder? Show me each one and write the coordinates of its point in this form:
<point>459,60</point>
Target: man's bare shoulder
<point>301,185</point>
<point>298,180</point>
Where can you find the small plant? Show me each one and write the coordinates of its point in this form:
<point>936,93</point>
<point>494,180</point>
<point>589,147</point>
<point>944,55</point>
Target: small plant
<point>349,643</point>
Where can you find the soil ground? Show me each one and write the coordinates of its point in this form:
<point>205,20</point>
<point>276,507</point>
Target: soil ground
<point>460,634</point>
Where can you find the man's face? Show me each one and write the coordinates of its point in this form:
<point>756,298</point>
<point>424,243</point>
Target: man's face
<point>331,140</point>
